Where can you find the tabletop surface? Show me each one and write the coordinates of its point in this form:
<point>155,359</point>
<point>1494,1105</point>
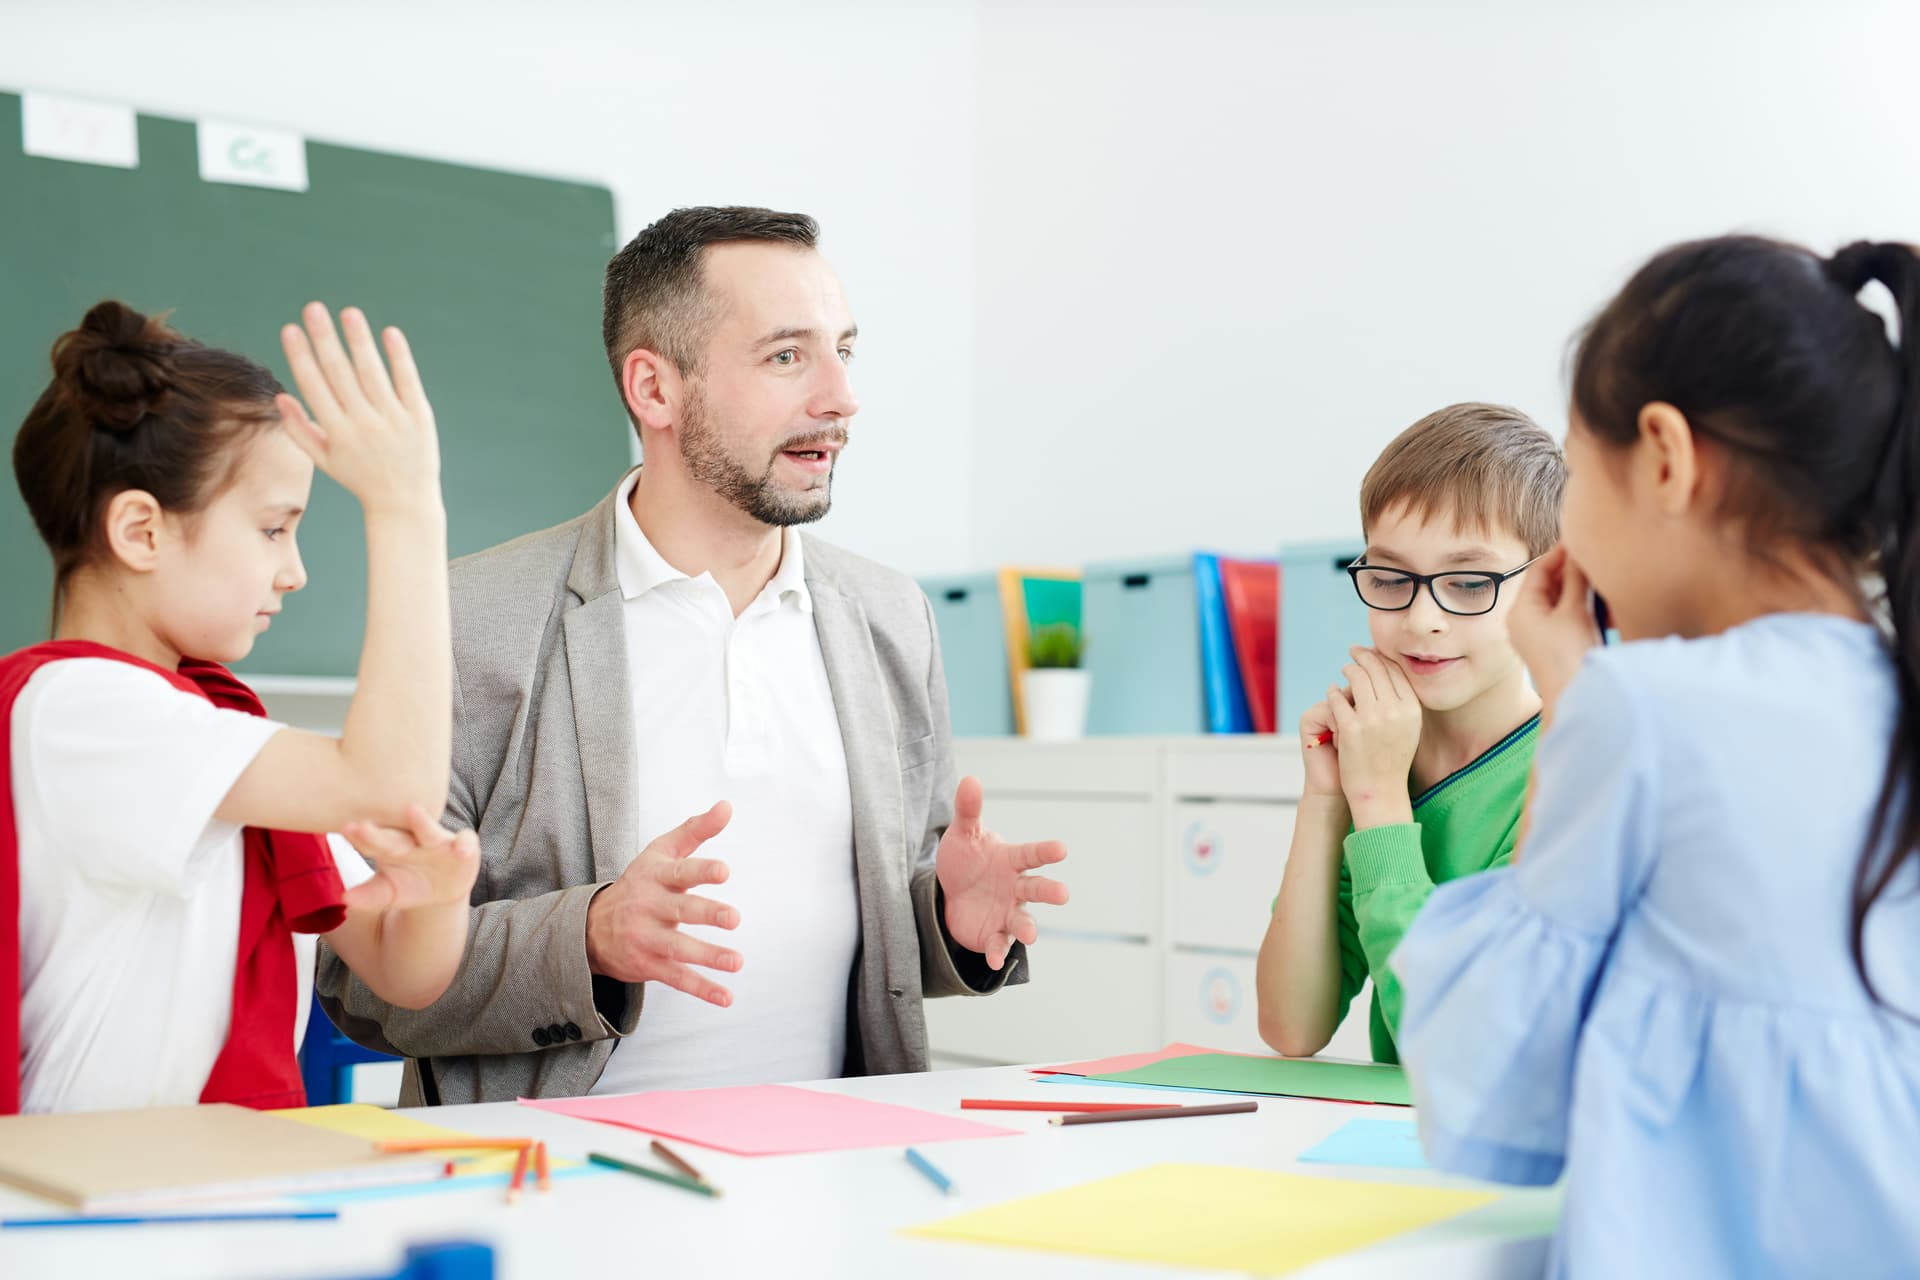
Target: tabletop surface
<point>832,1214</point>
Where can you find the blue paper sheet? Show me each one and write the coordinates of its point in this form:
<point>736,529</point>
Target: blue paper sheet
<point>1382,1144</point>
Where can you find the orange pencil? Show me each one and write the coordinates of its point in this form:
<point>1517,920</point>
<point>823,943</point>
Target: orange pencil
<point>540,1165</point>
<point>451,1144</point>
<point>519,1174</point>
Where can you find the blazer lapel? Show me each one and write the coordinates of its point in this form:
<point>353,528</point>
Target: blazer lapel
<point>596,642</point>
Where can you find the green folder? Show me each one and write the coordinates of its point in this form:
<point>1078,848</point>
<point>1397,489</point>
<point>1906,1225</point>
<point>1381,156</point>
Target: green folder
<point>1286,1077</point>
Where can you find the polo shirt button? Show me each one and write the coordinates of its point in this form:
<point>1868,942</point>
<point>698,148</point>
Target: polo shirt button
<point>541,1037</point>
<point>573,1031</point>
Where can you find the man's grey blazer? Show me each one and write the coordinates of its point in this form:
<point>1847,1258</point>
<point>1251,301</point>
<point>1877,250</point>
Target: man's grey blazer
<point>543,769</point>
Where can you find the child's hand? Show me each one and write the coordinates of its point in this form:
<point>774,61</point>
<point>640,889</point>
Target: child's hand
<point>1322,757</point>
<point>372,433</point>
<point>1376,726</point>
<point>427,866</point>
<point>1552,624</point>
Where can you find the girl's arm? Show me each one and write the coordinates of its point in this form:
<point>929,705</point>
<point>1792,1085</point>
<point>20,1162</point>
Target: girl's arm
<point>374,434</point>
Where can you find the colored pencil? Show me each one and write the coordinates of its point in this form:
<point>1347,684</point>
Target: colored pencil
<point>542,1167</point>
<point>933,1175</point>
<point>667,1153</point>
<point>308,1215</point>
<point>1159,1113</point>
<point>1028,1104</point>
<point>452,1144</point>
<point>519,1173</point>
<point>698,1186</point>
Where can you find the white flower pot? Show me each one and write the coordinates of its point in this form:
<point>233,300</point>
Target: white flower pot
<point>1056,700</point>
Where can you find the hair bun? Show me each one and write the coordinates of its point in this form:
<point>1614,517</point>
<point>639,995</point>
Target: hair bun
<point>115,368</point>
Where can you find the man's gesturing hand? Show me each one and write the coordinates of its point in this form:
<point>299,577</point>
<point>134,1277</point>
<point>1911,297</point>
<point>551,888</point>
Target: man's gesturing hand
<point>633,925</point>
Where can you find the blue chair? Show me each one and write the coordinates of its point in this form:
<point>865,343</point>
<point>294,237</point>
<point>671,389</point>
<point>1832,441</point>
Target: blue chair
<point>327,1060</point>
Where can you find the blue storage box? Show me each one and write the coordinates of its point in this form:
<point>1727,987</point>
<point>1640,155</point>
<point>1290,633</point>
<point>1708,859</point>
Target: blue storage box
<point>973,646</point>
<point>1320,619</point>
<point>1143,648</point>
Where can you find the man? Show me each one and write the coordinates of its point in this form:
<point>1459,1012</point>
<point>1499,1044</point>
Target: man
<point>682,648</point>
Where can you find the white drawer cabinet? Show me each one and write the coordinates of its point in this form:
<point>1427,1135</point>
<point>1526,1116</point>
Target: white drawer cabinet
<point>1223,870</point>
<point>1110,870</point>
<point>1087,998</point>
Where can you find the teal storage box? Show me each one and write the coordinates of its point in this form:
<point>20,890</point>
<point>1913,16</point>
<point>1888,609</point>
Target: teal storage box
<point>1320,619</point>
<point>973,646</point>
<point>1143,648</point>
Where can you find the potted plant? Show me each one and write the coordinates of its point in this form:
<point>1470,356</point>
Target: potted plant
<point>1056,687</point>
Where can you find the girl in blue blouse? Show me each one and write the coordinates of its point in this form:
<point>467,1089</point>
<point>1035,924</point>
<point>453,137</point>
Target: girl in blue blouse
<point>1695,990</point>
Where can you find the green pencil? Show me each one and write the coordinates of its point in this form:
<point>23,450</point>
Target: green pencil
<point>671,1179</point>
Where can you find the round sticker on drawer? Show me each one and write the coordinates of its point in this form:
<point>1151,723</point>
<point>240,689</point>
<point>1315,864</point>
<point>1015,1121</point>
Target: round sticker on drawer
<point>1220,996</point>
<point>1203,850</point>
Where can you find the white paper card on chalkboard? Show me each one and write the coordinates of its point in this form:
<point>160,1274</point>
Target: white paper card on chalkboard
<point>252,156</point>
<point>61,128</point>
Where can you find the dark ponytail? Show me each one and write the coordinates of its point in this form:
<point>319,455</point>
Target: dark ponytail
<point>1768,351</point>
<point>132,405</point>
<point>1895,834</point>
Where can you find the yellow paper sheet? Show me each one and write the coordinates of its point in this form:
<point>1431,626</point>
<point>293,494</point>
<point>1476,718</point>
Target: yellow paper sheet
<point>376,1124</point>
<point>1194,1215</point>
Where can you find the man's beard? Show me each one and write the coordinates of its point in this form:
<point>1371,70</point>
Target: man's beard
<point>760,496</point>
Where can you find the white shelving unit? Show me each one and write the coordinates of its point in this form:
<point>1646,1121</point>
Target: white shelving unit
<point>1175,851</point>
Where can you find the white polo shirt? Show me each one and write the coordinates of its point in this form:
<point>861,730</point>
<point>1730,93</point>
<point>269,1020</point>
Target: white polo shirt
<point>130,886</point>
<point>739,709</point>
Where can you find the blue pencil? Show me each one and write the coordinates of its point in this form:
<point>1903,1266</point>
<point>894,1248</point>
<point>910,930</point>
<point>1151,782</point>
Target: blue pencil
<point>308,1215</point>
<point>933,1175</point>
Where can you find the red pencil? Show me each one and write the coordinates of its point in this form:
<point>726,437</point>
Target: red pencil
<point>541,1167</point>
<point>1325,736</point>
<point>1002,1104</point>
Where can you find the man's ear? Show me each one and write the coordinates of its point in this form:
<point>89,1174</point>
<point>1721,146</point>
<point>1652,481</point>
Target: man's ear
<point>654,390</point>
<point>135,527</point>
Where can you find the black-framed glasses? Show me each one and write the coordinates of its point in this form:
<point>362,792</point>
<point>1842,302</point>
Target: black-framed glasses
<point>1465,593</point>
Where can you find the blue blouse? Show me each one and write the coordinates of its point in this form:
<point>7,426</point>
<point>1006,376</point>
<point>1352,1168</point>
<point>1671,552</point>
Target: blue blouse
<point>1659,998</point>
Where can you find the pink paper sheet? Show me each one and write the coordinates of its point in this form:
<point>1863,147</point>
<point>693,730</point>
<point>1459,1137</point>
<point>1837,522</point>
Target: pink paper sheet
<point>1128,1061</point>
<point>768,1120</point>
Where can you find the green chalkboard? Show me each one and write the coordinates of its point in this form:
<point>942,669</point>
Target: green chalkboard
<point>494,276</point>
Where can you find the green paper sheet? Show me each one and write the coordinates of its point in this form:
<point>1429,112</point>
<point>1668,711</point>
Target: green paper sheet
<point>1285,1077</point>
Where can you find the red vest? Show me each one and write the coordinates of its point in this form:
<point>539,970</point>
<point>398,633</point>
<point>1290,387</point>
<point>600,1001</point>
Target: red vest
<point>291,886</point>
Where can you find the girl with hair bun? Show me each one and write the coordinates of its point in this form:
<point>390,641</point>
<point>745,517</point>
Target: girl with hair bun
<point>160,882</point>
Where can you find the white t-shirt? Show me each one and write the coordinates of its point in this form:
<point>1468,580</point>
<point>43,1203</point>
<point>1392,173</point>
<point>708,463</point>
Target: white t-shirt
<point>740,710</point>
<point>129,887</point>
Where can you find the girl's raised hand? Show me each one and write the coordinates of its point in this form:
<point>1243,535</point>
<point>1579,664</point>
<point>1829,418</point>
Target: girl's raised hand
<point>372,432</point>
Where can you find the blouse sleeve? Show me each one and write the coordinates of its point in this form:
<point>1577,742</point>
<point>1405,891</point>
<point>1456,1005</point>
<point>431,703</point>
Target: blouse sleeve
<point>1498,968</point>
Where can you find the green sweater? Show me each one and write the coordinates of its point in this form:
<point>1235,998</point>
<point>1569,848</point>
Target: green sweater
<point>1464,823</point>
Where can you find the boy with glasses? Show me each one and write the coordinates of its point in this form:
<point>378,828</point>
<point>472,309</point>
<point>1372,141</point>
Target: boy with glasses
<point>1416,766</point>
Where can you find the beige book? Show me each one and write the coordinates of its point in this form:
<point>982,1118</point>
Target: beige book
<point>163,1157</point>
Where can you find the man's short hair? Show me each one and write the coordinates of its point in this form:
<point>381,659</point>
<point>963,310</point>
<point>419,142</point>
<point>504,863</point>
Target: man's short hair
<point>654,296</point>
<point>1480,466</point>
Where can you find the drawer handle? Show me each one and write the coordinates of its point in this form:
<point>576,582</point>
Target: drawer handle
<point>956,594</point>
<point>1341,563</point>
<point>1134,581</point>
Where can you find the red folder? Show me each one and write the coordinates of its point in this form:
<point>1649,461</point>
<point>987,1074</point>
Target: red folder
<point>1252,590</point>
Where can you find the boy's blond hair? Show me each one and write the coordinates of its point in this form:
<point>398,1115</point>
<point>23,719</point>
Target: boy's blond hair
<point>1481,466</point>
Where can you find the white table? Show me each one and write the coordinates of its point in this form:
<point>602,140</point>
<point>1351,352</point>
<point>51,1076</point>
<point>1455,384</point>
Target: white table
<point>836,1214</point>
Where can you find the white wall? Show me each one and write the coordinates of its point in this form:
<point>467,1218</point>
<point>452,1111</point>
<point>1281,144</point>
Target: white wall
<point>1227,251</point>
<point>1132,277</point>
<point>861,114</point>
